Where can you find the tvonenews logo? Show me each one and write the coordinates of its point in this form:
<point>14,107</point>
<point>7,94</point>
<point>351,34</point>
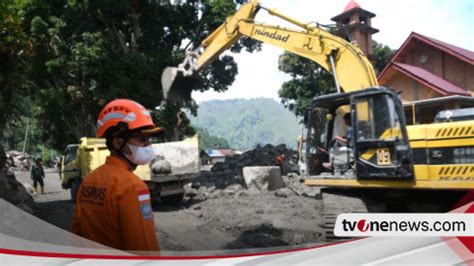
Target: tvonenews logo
<point>404,224</point>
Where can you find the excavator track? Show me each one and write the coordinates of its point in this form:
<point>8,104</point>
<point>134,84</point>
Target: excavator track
<point>337,201</point>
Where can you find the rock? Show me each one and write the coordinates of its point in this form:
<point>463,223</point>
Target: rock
<point>211,189</point>
<point>191,192</point>
<point>197,207</point>
<point>298,239</point>
<point>230,172</point>
<point>233,188</point>
<point>160,166</point>
<point>268,147</point>
<point>281,148</point>
<point>306,191</point>
<point>292,175</point>
<point>196,185</point>
<point>312,193</point>
<point>201,197</point>
<point>244,194</point>
<point>202,190</point>
<point>217,194</point>
<point>289,167</point>
<point>263,177</point>
<point>13,191</point>
<point>283,193</point>
<point>219,166</point>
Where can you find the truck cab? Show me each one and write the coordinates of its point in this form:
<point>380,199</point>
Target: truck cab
<point>80,159</point>
<point>69,173</point>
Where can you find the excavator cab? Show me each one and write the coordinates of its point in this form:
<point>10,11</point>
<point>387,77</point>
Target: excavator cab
<point>375,143</point>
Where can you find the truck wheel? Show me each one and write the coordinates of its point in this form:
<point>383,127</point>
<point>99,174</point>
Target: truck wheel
<point>74,188</point>
<point>173,199</point>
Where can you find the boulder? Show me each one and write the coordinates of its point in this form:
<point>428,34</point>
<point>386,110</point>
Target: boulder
<point>263,177</point>
<point>232,189</point>
<point>13,191</point>
<point>283,193</point>
<point>160,166</point>
<point>220,166</point>
<point>191,192</point>
<point>289,167</point>
<point>305,191</point>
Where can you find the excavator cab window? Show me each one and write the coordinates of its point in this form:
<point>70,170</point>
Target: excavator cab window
<point>318,129</point>
<point>381,143</point>
<point>365,136</point>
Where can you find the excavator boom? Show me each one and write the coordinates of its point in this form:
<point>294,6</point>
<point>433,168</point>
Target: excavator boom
<point>349,66</point>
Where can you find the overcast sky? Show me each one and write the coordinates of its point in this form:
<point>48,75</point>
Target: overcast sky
<point>451,21</point>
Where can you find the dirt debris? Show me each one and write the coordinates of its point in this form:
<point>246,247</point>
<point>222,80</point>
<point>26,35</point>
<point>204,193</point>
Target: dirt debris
<point>254,215</point>
<point>260,156</point>
<point>219,211</point>
<point>16,160</point>
<point>11,189</point>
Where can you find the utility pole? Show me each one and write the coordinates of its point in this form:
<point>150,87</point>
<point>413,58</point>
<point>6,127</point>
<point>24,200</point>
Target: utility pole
<point>26,135</point>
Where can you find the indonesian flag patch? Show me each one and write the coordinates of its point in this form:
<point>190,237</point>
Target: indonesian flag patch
<point>143,196</point>
<point>145,206</point>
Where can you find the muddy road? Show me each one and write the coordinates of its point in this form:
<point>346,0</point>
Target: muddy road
<point>208,218</point>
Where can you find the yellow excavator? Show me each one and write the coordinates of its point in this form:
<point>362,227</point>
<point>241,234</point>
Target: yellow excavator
<point>358,148</point>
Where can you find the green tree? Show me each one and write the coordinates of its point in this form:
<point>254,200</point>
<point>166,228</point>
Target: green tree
<point>14,50</point>
<point>308,80</point>
<point>208,141</point>
<point>90,52</point>
<point>382,56</point>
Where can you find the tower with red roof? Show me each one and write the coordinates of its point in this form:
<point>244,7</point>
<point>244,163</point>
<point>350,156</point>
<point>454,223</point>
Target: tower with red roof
<point>356,22</point>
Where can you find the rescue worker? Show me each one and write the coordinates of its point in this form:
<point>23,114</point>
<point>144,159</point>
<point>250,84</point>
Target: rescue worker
<point>279,160</point>
<point>113,204</point>
<point>347,138</point>
<point>37,175</point>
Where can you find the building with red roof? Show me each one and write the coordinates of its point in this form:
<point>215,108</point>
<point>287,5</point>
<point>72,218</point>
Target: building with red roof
<point>425,68</point>
<point>422,69</point>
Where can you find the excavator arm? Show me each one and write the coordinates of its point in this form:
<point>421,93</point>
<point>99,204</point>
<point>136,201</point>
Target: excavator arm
<point>350,67</point>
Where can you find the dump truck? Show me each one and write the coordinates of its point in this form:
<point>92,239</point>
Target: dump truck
<point>386,165</point>
<point>165,185</point>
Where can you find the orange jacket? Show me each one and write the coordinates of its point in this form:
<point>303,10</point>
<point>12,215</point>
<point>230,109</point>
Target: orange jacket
<point>113,208</point>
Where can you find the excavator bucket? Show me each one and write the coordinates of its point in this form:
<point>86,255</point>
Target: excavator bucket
<point>176,86</point>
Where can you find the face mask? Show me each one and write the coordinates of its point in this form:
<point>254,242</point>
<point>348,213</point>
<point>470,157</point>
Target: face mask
<point>140,155</point>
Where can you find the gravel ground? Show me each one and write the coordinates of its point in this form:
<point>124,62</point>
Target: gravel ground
<point>215,219</point>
